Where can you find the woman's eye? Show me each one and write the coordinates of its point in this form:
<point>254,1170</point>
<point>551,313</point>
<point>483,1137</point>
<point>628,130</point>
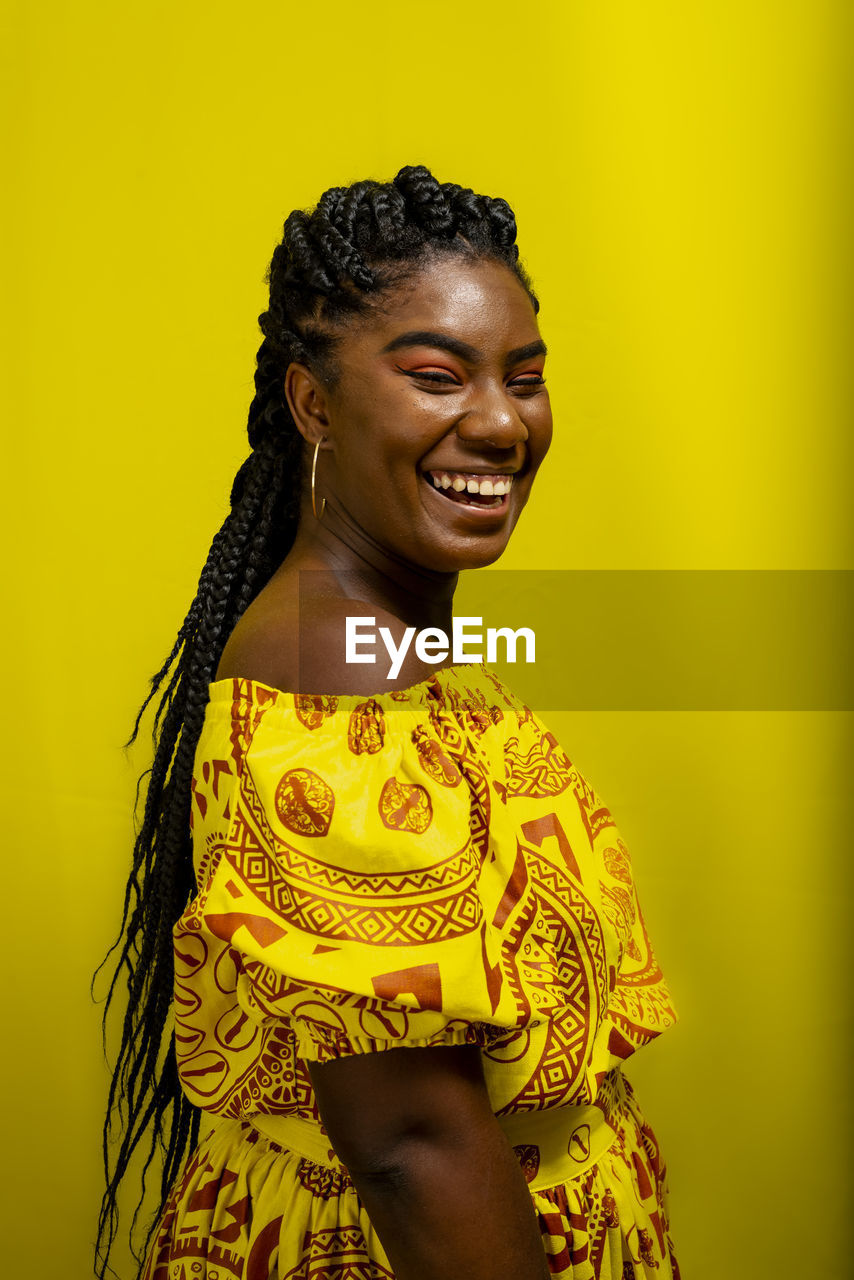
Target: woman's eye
<point>444,377</point>
<point>432,375</point>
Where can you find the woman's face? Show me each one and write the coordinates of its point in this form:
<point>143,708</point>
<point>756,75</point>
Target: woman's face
<point>440,418</point>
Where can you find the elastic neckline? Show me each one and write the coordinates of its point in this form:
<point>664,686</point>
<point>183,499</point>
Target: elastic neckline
<point>223,690</point>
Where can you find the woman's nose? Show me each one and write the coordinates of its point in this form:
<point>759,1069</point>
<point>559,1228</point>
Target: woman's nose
<point>492,419</point>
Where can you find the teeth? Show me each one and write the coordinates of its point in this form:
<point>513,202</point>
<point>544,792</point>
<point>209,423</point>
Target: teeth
<point>488,487</point>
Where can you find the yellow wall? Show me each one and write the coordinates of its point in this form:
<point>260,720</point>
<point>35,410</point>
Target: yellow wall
<point>677,174</point>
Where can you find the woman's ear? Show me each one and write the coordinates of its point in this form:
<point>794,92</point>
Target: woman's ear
<point>307,402</point>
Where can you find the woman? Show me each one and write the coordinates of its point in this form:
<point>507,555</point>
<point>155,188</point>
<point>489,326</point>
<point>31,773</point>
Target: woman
<point>408,958</point>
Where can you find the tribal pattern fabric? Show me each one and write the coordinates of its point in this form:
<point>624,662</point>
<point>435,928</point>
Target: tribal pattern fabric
<point>423,867</point>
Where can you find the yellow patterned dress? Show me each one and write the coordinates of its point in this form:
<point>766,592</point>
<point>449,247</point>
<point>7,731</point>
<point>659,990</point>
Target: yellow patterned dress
<point>424,867</point>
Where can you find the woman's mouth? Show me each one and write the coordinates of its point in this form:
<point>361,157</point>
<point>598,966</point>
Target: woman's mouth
<point>470,489</point>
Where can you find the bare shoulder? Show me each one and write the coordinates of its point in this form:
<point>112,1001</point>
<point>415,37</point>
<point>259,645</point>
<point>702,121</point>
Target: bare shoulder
<point>327,644</point>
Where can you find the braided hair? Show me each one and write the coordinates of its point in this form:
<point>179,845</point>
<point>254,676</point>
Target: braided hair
<point>333,264</point>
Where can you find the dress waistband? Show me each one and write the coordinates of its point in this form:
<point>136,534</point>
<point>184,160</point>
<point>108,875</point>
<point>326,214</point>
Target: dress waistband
<point>552,1145</point>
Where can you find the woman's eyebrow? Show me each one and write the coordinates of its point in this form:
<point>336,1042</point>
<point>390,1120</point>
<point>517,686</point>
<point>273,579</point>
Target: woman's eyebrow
<point>444,342</point>
<point>528,352</point>
<point>425,338</point>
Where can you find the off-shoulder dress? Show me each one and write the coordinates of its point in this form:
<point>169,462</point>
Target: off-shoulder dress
<point>421,867</point>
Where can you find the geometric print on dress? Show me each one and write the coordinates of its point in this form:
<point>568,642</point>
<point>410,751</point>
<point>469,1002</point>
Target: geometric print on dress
<point>553,979</point>
<point>556,951</point>
<point>376,919</point>
<point>405,806</point>
<point>618,905</point>
<point>252,834</point>
<point>618,862</point>
<point>312,709</point>
<point>474,712</point>
<point>595,816</point>
<point>640,1007</point>
<point>321,901</point>
<point>435,762</point>
<point>274,1071</point>
<point>339,1252</point>
<point>366,728</point>
<point>249,704</point>
<point>528,1155</point>
<point>542,770</point>
<point>304,802</point>
<point>480,802</point>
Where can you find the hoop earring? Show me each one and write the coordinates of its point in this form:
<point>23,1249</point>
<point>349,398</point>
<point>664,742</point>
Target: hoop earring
<point>317,515</point>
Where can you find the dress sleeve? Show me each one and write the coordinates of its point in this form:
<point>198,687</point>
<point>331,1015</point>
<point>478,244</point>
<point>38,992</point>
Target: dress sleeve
<point>352,889</point>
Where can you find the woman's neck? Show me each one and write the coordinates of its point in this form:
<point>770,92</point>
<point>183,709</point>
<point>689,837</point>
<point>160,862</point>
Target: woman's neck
<point>343,560</point>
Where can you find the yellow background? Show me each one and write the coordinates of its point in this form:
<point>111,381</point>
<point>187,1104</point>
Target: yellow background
<point>677,175</point>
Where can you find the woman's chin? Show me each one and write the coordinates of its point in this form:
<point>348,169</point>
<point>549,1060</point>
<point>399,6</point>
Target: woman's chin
<point>477,554</point>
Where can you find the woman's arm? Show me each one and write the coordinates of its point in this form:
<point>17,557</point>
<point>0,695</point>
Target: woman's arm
<point>438,1178</point>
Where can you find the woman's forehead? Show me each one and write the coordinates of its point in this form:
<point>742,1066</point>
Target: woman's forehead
<point>479,301</point>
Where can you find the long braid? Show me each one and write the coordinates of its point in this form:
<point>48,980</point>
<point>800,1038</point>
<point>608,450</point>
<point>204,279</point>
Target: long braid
<point>332,263</point>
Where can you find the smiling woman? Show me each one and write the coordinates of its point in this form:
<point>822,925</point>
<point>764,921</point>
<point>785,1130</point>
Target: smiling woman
<point>381,934</point>
<point>444,382</point>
